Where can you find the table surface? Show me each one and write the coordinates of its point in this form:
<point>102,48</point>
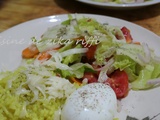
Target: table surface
<point>13,12</point>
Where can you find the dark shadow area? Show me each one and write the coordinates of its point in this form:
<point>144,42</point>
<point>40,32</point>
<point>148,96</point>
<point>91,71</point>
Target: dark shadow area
<point>131,15</point>
<point>2,3</point>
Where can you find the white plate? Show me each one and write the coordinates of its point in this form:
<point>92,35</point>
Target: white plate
<point>119,6</point>
<point>138,104</point>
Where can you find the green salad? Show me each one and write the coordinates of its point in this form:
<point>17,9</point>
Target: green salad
<point>76,52</point>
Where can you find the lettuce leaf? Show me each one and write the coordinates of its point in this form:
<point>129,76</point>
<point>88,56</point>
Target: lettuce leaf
<point>141,82</point>
<point>73,58</point>
<point>125,63</point>
<point>78,70</point>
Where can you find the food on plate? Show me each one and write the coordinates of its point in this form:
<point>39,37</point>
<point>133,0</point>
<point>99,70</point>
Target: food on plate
<point>121,1</point>
<point>95,101</point>
<point>32,93</point>
<point>71,57</point>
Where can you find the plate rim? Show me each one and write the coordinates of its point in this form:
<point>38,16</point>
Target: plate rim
<point>86,14</point>
<point>110,5</point>
<point>65,15</point>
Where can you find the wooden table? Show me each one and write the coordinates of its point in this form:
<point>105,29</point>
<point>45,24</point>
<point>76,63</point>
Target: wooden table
<point>13,12</point>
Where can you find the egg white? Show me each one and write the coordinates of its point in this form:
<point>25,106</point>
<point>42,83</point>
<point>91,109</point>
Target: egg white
<point>95,101</point>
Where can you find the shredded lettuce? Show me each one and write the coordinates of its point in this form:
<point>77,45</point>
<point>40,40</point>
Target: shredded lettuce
<point>77,71</point>
<point>69,59</point>
<point>32,93</point>
<point>38,89</point>
<point>137,60</point>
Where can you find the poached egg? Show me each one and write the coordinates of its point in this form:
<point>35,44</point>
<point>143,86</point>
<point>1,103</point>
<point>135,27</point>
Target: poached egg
<point>94,101</point>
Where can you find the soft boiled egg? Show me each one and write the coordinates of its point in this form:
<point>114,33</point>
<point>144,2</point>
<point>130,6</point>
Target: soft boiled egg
<point>94,101</point>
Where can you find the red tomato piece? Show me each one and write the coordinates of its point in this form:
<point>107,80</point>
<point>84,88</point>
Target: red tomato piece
<point>127,34</point>
<point>119,83</point>
<point>91,77</point>
<point>90,52</point>
<point>91,48</point>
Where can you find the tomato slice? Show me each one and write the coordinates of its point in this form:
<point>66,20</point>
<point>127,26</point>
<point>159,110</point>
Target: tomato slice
<point>91,48</point>
<point>91,51</point>
<point>119,83</point>
<point>91,77</point>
